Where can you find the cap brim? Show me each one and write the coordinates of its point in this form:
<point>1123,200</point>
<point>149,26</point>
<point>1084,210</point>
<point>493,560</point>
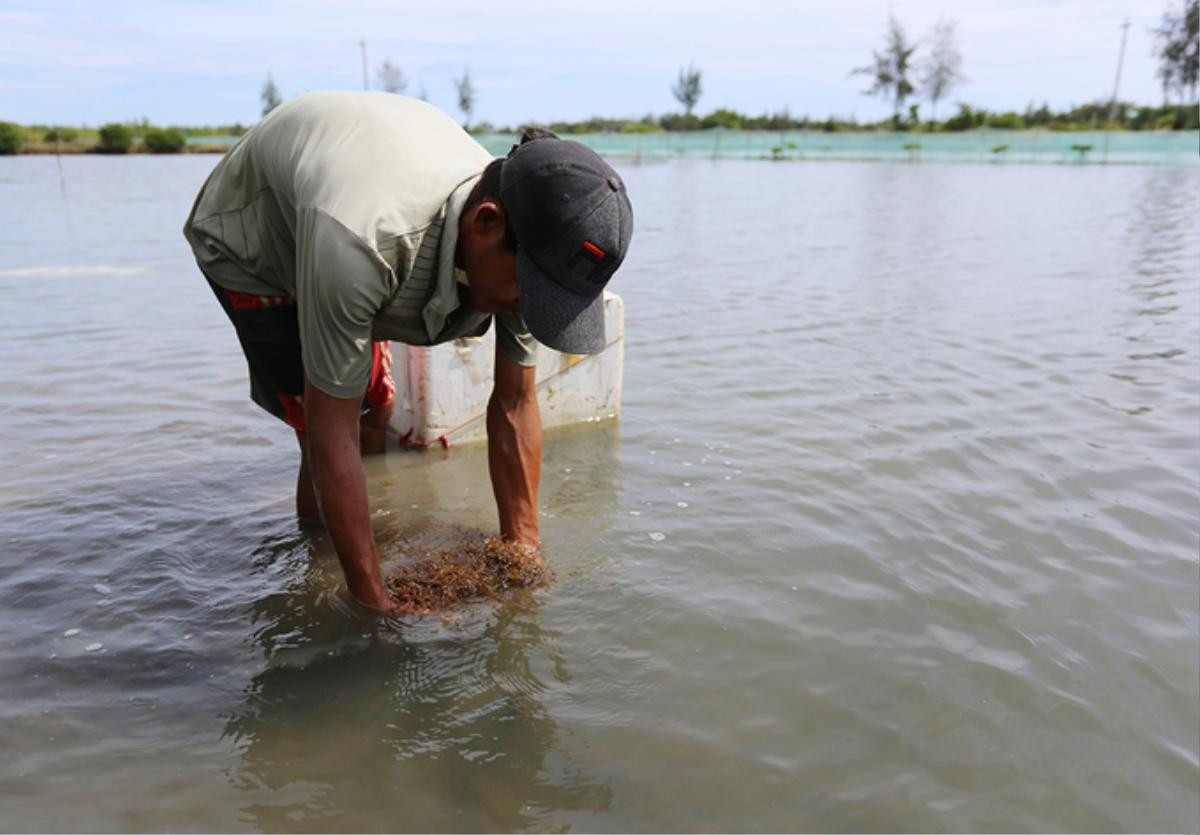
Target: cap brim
<point>557,317</point>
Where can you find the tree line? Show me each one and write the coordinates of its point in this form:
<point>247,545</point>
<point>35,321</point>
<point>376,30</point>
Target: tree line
<point>112,138</point>
<point>896,73</point>
<point>1089,116</point>
<point>389,78</point>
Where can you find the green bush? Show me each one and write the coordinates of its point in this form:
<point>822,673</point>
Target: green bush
<point>168,141</point>
<point>722,118</point>
<point>640,127</point>
<point>965,119</point>
<point>1009,121</point>
<point>680,121</point>
<point>10,138</point>
<point>115,139</point>
<point>61,135</point>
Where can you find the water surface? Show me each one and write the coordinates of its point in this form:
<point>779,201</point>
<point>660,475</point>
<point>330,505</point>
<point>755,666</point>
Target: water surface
<point>898,529</point>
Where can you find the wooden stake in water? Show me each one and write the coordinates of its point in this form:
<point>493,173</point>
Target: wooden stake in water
<point>62,179</point>
<point>1112,104</point>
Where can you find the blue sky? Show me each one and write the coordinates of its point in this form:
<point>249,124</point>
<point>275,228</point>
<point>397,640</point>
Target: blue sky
<point>204,62</point>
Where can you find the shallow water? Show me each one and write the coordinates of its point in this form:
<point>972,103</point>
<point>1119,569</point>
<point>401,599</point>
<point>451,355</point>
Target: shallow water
<point>898,529</point>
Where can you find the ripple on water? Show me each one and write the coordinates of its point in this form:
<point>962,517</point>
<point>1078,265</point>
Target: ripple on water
<point>937,562</point>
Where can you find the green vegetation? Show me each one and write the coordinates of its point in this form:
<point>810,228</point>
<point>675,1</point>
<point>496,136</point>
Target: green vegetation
<point>1178,49</point>
<point>10,138</point>
<point>115,138</point>
<point>58,135</point>
<point>391,78</point>
<point>941,71</point>
<point>269,95</point>
<point>236,129</point>
<point>687,88</point>
<point>164,141</point>
<point>890,69</point>
<point>466,96</point>
<point>1091,116</point>
<point>40,138</point>
<point>929,68</point>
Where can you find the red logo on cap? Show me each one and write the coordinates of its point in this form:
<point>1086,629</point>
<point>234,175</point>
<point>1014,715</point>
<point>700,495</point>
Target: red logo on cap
<point>593,249</point>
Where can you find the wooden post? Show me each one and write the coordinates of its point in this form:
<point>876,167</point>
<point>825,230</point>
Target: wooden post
<point>1112,104</point>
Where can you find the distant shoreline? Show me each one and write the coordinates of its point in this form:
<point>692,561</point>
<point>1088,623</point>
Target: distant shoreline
<point>92,150</point>
<point>978,145</point>
<point>1112,118</point>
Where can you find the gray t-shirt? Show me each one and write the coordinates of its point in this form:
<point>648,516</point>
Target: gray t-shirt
<point>349,203</point>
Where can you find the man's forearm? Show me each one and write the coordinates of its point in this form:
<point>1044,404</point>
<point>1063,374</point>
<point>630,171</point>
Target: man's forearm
<point>342,491</point>
<point>515,462</point>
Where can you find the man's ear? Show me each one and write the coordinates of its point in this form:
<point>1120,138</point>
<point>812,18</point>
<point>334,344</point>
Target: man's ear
<point>488,219</point>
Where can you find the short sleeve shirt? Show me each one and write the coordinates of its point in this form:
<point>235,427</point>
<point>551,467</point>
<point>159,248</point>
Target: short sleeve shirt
<point>349,203</point>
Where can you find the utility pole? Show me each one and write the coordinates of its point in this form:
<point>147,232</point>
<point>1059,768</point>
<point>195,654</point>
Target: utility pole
<point>363,46</point>
<point>1112,104</point>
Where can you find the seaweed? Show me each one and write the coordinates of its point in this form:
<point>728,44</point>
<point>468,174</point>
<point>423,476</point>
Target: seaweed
<point>478,569</point>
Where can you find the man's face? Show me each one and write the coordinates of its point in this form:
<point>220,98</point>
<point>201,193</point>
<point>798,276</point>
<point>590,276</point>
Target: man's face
<point>492,277</point>
<point>491,268</point>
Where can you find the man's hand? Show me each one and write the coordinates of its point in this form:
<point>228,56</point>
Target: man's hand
<point>514,427</point>
<point>333,442</point>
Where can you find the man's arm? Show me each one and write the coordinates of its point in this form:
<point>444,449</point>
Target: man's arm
<point>514,427</point>
<point>333,444</point>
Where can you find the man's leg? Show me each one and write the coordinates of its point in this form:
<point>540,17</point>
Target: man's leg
<point>373,427</point>
<point>270,337</point>
<point>269,333</point>
<point>379,401</point>
<point>307,507</point>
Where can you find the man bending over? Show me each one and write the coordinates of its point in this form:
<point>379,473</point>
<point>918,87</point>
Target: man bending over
<point>344,220</point>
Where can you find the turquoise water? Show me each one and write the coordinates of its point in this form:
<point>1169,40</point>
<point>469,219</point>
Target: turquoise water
<point>1144,147</point>
<point>978,146</point>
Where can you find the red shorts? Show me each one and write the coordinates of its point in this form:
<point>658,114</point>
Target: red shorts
<point>269,331</point>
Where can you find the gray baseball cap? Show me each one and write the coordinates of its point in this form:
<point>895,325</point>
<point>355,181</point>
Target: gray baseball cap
<point>572,220</point>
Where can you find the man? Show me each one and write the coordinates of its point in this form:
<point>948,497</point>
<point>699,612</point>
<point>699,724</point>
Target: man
<point>346,219</point>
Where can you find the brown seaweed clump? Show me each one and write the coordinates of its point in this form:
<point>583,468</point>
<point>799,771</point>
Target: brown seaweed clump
<point>479,569</point>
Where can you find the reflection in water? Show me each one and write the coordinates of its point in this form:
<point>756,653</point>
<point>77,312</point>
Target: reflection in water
<point>1157,323</point>
<point>444,735</point>
<point>429,725</point>
<point>1160,230</point>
